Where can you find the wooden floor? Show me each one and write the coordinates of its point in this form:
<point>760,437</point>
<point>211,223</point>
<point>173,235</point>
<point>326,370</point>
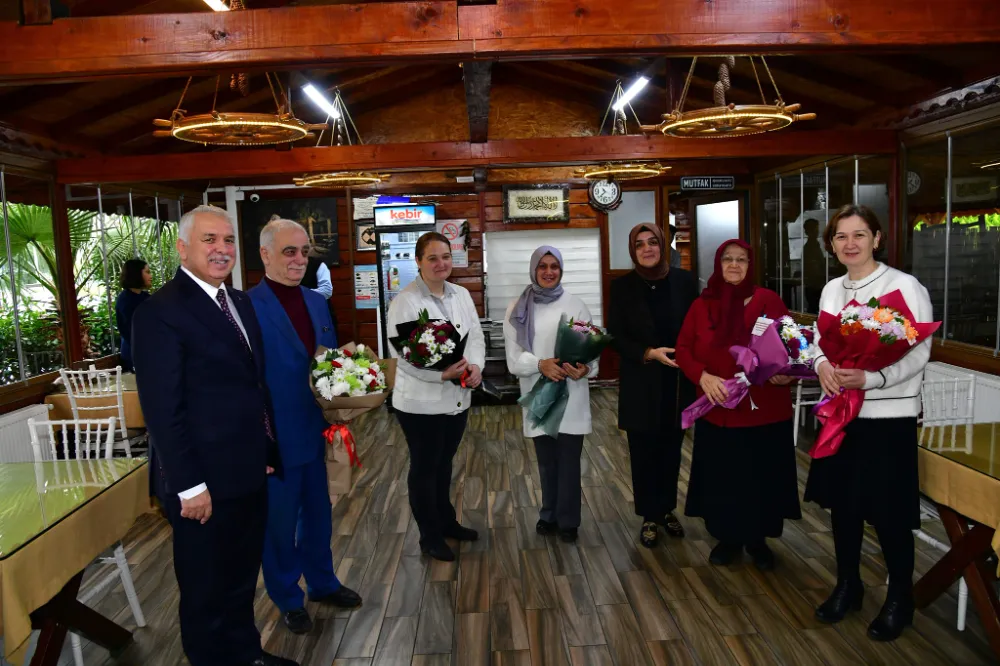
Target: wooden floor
<point>514,598</point>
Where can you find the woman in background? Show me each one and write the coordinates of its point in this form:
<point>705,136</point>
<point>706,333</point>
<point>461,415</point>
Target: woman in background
<point>529,330</point>
<point>136,280</point>
<point>431,409</point>
<point>647,308</point>
<point>743,477</point>
<point>873,476</point>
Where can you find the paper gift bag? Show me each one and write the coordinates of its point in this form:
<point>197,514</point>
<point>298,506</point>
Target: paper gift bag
<point>338,469</point>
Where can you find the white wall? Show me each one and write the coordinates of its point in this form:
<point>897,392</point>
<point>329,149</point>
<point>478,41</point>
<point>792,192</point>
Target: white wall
<point>507,257</point>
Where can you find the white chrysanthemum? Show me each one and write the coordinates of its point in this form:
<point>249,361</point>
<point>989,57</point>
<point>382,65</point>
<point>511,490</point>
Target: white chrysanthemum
<point>341,388</point>
<point>324,387</point>
<point>321,358</point>
<point>358,392</point>
<point>349,364</point>
<point>427,338</point>
<point>870,324</point>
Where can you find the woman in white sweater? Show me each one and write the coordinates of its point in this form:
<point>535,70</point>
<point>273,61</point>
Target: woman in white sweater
<point>873,476</point>
<point>430,407</point>
<point>529,329</point>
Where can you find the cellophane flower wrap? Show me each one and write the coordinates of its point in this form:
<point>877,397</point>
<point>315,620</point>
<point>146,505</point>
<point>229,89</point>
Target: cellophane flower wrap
<point>348,382</point>
<point>777,347</point>
<point>576,342</point>
<point>434,344</point>
<point>865,336</point>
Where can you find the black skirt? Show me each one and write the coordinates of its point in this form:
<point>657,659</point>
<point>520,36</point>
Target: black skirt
<point>874,474</point>
<point>743,481</point>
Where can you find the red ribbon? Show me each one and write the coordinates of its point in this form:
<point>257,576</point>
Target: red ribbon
<point>465,375</point>
<point>834,414</point>
<point>330,434</point>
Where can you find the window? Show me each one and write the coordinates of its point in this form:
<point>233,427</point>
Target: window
<point>31,329</point>
<point>924,220</point>
<point>768,256</point>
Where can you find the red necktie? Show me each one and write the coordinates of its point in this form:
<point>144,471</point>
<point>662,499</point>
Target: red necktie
<point>220,296</point>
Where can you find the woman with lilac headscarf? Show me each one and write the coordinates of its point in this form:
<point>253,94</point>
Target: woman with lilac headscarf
<point>529,329</point>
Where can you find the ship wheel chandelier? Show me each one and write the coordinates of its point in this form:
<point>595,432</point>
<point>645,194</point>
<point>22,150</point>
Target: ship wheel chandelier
<point>341,129</point>
<point>220,128</point>
<point>728,119</point>
<point>618,171</point>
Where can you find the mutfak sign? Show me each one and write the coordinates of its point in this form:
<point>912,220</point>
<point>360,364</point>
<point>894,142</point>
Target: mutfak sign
<point>708,182</point>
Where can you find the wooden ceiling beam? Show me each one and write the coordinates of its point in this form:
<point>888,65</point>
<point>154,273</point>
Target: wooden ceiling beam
<point>451,154</point>
<point>828,77</point>
<point>27,98</point>
<point>477,75</point>
<point>405,32</point>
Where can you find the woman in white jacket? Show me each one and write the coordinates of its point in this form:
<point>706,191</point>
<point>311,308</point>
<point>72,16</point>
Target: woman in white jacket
<point>432,409</point>
<point>873,476</point>
<point>529,329</point>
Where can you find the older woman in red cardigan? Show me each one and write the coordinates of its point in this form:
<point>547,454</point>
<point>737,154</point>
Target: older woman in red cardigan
<point>743,477</point>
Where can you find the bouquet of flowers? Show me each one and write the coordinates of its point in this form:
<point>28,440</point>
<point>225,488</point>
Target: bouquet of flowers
<point>870,337</point>
<point>576,342</point>
<point>781,347</point>
<point>347,382</point>
<point>433,344</point>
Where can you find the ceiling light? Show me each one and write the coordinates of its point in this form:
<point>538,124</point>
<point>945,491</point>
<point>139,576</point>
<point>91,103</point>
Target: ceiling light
<point>217,5</point>
<point>630,94</point>
<point>320,100</point>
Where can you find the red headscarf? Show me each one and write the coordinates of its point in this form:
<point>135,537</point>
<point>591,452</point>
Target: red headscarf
<point>726,301</point>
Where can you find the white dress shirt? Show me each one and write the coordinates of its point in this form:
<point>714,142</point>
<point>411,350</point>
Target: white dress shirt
<point>212,292</point>
<point>324,285</point>
<point>524,364</point>
<point>420,391</point>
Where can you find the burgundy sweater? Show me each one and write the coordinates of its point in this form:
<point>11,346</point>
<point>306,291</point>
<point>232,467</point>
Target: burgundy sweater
<point>294,303</point>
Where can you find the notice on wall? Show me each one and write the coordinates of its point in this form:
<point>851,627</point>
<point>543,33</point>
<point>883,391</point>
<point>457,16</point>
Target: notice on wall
<point>454,231</point>
<point>366,287</point>
<point>364,208</point>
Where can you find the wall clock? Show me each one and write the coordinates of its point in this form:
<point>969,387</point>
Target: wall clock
<point>912,182</point>
<point>605,195</point>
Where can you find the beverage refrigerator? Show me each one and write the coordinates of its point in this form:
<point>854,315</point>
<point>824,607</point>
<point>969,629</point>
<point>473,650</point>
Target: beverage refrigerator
<point>397,228</point>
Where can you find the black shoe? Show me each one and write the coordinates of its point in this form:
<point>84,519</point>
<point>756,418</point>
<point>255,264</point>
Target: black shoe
<point>440,551</point>
<point>649,534</point>
<point>761,555</point>
<point>896,615</point>
<point>266,659</point>
<point>568,535</point>
<point>545,528</point>
<point>297,621</point>
<point>344,597</point>
<point>725,553</point>
<point>460,533</point>
<point>672,526</point>
<point>846,596</point>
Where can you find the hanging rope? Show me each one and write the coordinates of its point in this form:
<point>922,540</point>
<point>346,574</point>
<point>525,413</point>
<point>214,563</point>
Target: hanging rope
<point>216,97</point>
<point>687,85</point>
<point>763,100</point>
<point>770,76</point>
<point>273,93</point>
<point>177,112</point>
<point>724,83</point>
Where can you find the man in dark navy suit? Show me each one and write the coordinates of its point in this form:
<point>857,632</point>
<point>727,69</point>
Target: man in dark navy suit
<point>294,322</point>
<point>199,366</point>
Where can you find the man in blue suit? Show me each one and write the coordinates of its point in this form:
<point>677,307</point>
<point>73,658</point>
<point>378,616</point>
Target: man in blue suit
<point>199,366</point>
<point>294,322</point>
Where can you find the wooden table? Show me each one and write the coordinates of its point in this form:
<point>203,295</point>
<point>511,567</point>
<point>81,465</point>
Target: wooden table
<point>965,486</point>
<point>56,517</point>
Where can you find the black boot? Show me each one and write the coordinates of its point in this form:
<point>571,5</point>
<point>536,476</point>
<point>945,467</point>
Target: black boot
<point>846,596</point>
<point>725,553</point>
<point>896,615</point>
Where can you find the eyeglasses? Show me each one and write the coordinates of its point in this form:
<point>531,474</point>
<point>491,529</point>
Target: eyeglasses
<point>740,261</point>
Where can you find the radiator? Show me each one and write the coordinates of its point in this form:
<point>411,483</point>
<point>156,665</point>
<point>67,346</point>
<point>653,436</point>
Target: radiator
<point>15,440</point>
<point>987,404</point>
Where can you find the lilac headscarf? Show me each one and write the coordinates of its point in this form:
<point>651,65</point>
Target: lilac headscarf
<point>522,317</point>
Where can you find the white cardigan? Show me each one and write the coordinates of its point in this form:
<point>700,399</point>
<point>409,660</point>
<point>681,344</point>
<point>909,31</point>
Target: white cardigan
<point>524,364</point>
<point>895,391</point>
<point>420,391</point>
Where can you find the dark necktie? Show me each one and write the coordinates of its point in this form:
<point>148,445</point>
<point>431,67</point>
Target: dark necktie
<point>220,296</point>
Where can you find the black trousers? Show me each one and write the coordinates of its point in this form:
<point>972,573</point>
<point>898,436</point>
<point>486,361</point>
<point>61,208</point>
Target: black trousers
<point>896,540</point>
<point>217,565</point>
<point>433,440</point>
<point>656,463</point>
<point>559,470</point>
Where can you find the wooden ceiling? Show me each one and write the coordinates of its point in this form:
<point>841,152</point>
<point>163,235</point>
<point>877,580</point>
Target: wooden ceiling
<point>114,116</point>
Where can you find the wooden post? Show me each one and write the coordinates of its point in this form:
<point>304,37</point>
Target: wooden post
<point>36,12</point>
<point>478,77</point>
<point>68,307</point>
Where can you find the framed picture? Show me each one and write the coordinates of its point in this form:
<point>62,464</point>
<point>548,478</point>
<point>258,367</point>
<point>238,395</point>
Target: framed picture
<point>536,203</point>
<point>977,188</point>
<point>364,236</point>
<point>318,216</point>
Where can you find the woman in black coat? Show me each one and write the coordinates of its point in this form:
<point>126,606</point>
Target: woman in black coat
<point>647,309</point>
